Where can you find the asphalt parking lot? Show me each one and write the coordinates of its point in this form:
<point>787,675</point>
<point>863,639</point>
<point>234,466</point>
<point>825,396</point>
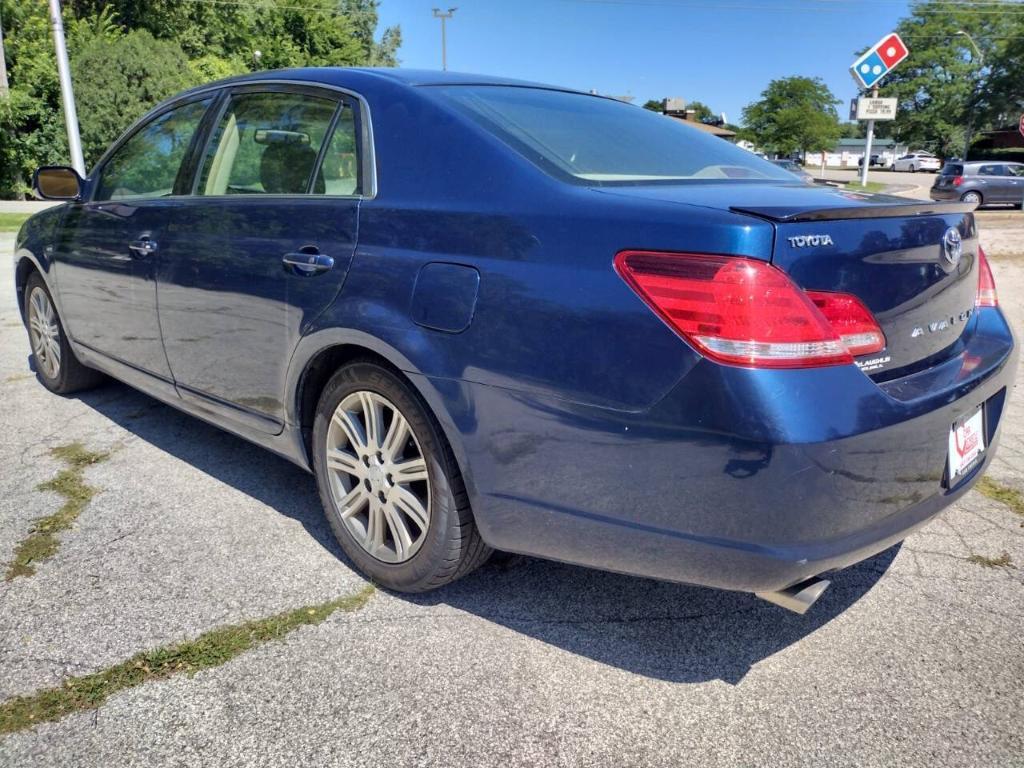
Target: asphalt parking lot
<point>913,658</point>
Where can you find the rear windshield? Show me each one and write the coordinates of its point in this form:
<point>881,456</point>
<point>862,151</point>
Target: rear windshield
<point>952,170</point>
<point>594,140</point>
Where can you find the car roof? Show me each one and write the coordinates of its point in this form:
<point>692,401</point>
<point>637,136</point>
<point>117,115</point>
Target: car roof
<point>359,77</point>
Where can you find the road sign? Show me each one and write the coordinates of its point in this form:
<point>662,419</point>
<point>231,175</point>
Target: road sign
<point>876,109</point>
<point>879,60</point>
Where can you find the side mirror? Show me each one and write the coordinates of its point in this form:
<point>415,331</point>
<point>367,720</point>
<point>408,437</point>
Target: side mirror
<point>57,182</point>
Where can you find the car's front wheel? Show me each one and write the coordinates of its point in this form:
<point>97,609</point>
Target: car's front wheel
<point>389,483</point>
<point>55,363</point>
<point>971,197</point>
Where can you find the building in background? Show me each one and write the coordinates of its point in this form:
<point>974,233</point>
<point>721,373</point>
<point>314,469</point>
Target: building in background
<point>847,153</point>
<point>675,108</point>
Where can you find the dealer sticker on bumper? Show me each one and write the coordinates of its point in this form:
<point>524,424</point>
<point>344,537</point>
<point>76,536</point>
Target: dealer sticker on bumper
<point>966,444</point>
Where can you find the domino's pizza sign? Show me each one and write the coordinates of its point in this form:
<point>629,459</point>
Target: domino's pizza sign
<point>879,60</point>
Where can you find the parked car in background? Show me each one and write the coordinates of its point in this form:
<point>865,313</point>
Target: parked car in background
<point>795,168</point>
<point>980,181</point>
<point>917,161</point>
<point>644,350</point>
<point>877,161</point>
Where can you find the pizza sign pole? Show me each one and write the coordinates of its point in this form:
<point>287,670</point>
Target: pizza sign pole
<point>868,71</point>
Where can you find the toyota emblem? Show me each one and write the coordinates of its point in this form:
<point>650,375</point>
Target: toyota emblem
<point>952,246</point>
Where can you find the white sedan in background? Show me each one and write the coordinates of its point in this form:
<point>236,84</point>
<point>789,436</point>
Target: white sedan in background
<point>917,161</point>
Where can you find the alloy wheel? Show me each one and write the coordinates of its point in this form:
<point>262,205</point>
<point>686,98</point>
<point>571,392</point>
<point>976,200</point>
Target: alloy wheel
<point>378,476</point>
<point>44,333</point>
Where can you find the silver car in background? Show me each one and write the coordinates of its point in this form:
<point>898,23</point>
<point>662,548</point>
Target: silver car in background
<point>917,161</point>
<point>980,181</point>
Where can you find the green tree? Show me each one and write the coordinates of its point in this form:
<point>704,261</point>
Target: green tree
<point>653,104</point>
<point>117,81</point>
<point>190,43</point>
<point>944,90</point>
<point>793,114</point>
<point>701,112</point>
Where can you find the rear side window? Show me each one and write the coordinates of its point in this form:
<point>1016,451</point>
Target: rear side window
<point>952,170</point>
<point>990,170</point>
<point>593,140</point>
<point>147,164</point>
<point>267,143</point>
<point>340,170</point>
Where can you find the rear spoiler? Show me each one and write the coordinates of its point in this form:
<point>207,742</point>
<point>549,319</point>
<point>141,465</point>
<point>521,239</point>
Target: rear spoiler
<point>874,209</point>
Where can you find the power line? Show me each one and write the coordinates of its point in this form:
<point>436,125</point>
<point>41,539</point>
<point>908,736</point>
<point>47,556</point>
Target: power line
<point>836,6</point>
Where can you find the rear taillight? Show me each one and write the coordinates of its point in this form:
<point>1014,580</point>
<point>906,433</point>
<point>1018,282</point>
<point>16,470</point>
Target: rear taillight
<point>986,283</point>
<point>958,180</point>
<point>849,318</point>
<point>747,312</point>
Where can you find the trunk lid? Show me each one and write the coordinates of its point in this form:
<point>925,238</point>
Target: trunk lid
<point>898,256</point>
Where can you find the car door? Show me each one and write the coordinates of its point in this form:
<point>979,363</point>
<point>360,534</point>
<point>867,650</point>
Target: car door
<point>1015,176</point>
<point>261,247</point>
<point>109,248</point>
<point>990,183</point>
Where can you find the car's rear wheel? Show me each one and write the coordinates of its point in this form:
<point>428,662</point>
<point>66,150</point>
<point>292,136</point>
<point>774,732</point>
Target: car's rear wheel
<point>971,197</point>
<point>389,483</point>
<point>55,363</point>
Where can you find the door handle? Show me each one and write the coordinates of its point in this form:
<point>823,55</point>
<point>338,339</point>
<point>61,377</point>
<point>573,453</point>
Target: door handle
<point>307,263</point>
<point>144,246</point>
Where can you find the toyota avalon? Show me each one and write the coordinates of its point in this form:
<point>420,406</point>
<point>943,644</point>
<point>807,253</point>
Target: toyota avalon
<point>488,314</point>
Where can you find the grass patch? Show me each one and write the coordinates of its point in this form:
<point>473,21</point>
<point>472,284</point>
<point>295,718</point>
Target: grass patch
<point>211,649</point>
<point>42,541</point>
<point>1002,561</point>
<point>872,186</point>
<point>1004,494</point>
<point>11,222</point>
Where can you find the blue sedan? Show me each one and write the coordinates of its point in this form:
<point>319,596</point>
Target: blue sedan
<point>488,314</point>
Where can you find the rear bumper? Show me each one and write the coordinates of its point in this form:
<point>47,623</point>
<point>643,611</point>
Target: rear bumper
<point>948,193</point>
<point>738,479</point>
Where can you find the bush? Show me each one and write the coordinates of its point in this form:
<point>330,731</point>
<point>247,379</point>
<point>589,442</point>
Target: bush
<point>1005,154</point>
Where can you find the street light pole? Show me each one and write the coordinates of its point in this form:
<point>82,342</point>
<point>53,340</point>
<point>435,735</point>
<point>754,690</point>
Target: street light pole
<point>980,58</point>
<point>66,92</point>
<point>444,16</point>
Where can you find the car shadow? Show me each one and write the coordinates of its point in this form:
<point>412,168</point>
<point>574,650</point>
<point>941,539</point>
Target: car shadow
<point>661,630</point>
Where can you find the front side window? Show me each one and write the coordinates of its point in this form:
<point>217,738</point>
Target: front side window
<point>593,140</point>
<point>147,164</point>
<point>267,143</point>
<point>1015,170</point>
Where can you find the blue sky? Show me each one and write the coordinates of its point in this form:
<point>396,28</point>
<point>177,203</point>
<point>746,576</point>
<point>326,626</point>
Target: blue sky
<point>722,53</point>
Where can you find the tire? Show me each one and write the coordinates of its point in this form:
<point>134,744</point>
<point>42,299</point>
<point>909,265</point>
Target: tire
<point>55,363</point>
<point>376,516</point>
<point>971,197</point>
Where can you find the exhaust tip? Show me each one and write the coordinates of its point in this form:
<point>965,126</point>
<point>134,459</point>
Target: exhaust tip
<point>800,597</point>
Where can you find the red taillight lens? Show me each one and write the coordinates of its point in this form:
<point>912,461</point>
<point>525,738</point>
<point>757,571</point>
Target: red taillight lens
<point>854,322</point>
<point>958,180</point>
<point>986,283</point>
<point>747,312</point>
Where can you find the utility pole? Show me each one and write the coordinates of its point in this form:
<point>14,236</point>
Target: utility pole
<point>66,92</point>
<point>979,57</point>
<point>4,86</point>
<point>444,16</point>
